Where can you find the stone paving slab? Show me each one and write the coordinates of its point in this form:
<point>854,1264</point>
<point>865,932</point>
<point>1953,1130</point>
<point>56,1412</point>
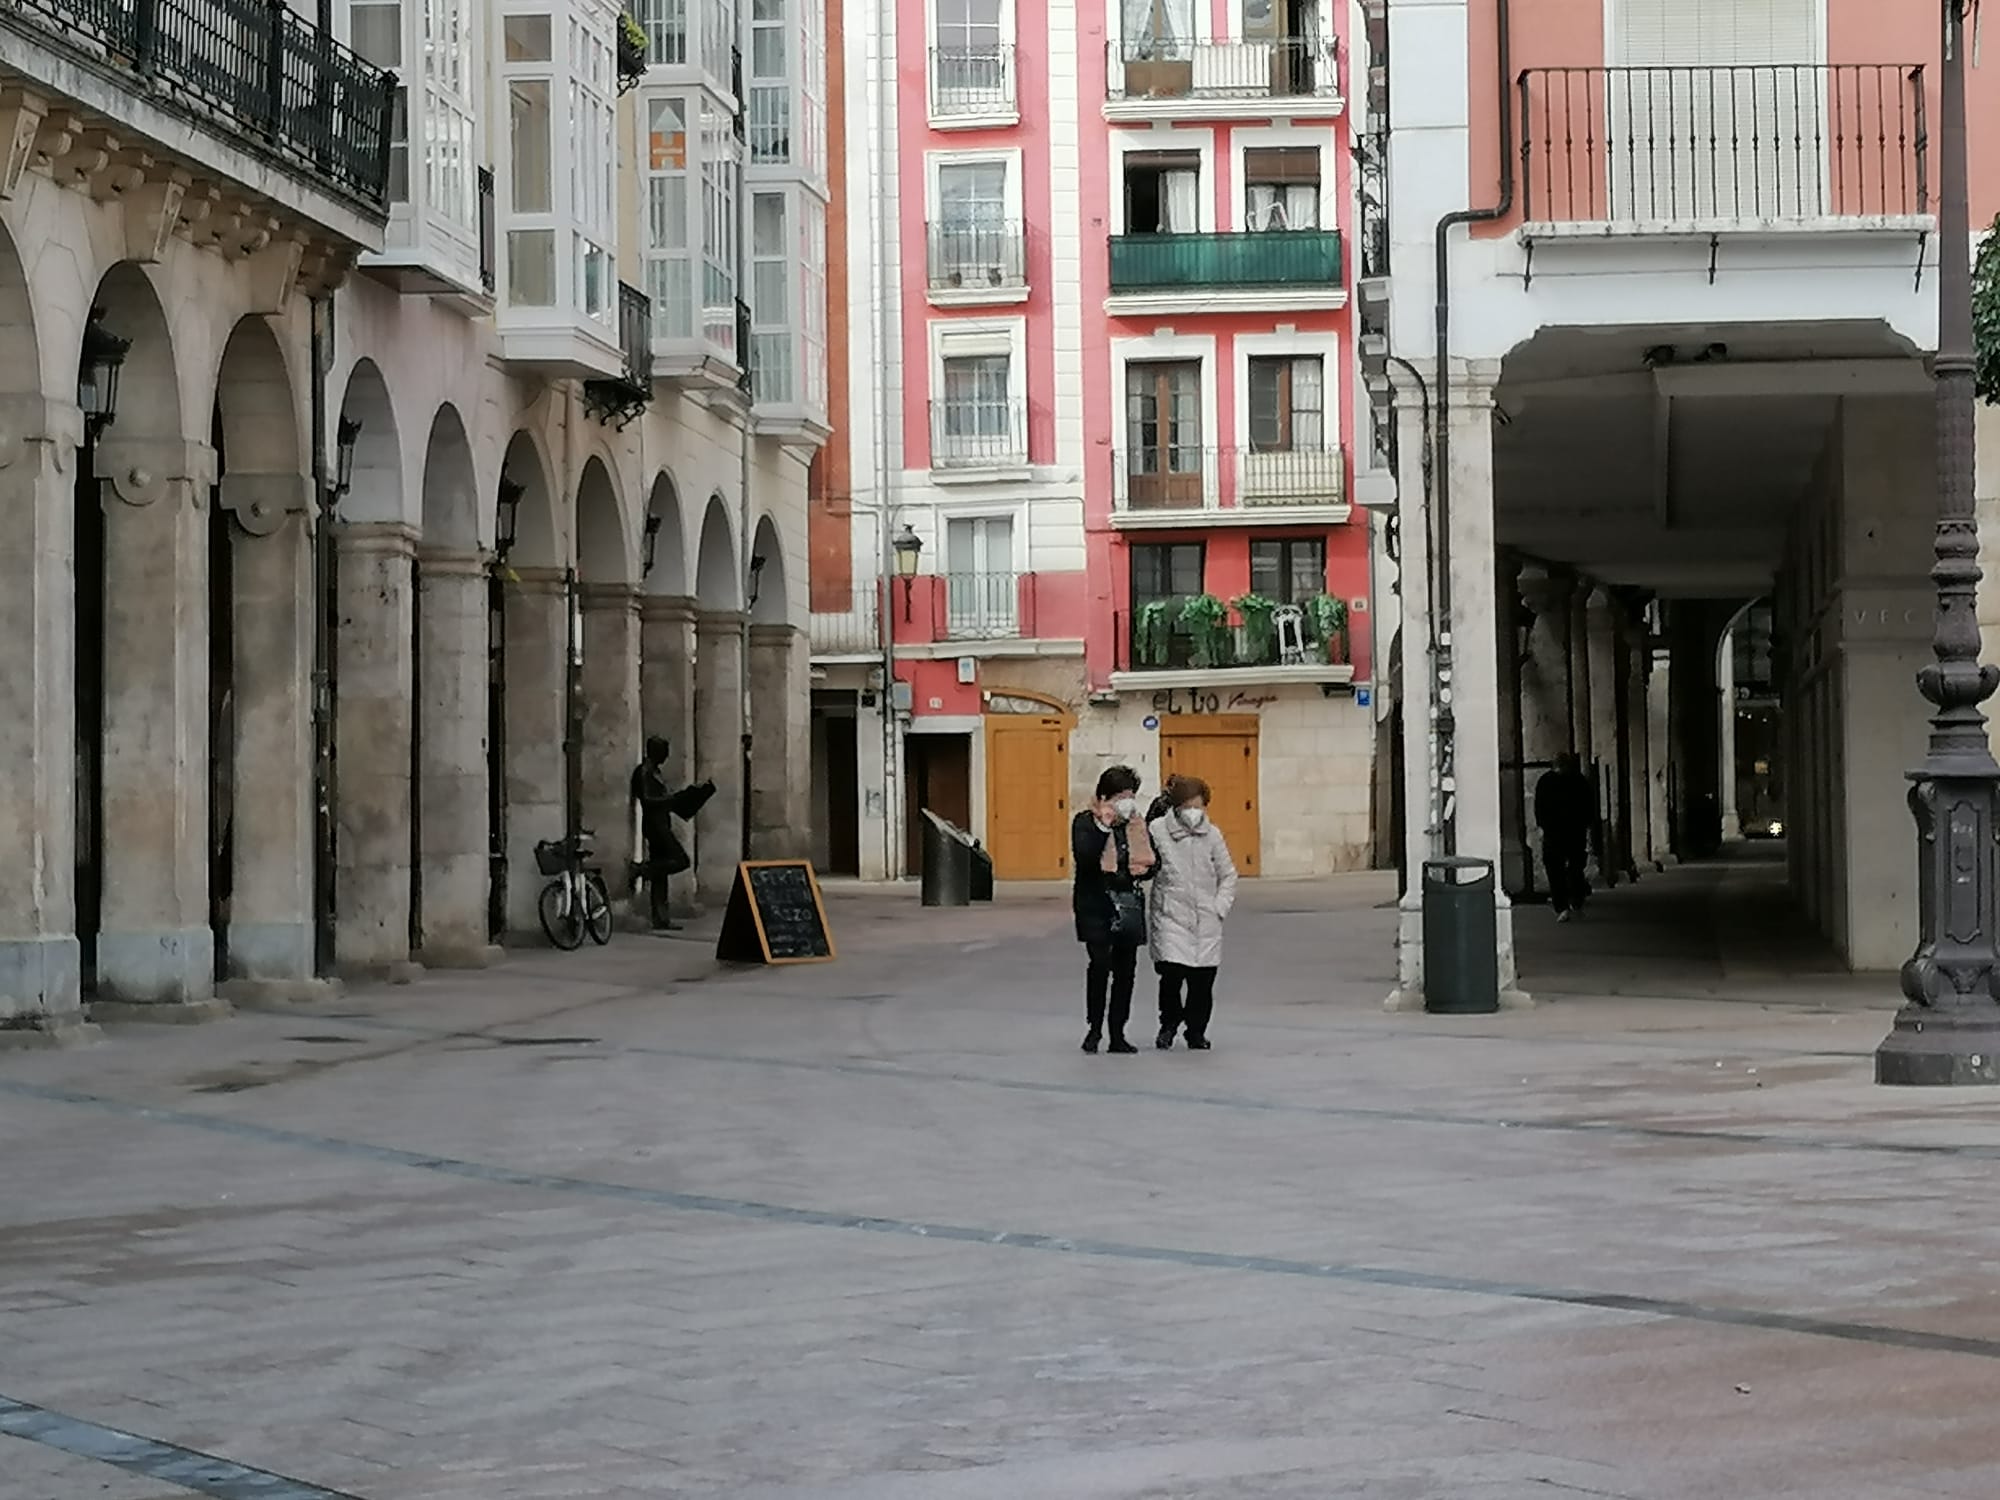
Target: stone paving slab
<point>620,1224</point>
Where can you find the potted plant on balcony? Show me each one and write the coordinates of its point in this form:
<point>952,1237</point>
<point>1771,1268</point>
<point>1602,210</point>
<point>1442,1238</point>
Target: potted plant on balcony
<point>1328,613</point>
<point>1260,635</point>
<point>632,50</point>
<point>1152,633</point>
<point>1206,620</point>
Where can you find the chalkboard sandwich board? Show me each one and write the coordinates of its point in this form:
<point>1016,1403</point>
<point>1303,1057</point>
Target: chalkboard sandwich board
<point>775,915</point>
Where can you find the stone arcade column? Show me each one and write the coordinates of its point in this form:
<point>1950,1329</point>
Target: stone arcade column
<point>611,736</point>
<point>453,818</point>
<point>666,701</point>
<point>155,949</point>
<point>1638,656</point>
<point>1545,704</point>
<point>40,967</point>
<point>1601,753</point>
<point>537,624</point>
<point>718,728</point>
<point>1579,672</point>
<point>1514,863</point>
<point>780,745</point>
<point>373,724</point>
<point>271,938</point>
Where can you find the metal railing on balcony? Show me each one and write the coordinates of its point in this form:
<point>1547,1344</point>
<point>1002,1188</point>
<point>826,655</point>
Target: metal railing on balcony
<point>972,79</point>
<point>855,630</point>
<point>1173,69</point>
<point>1170,477</point>
<point>273,81</point>
<point>967,434</point>
<point>1164,635</point>
<point>619,401</point>
<point>978,257</point>
<point>982,606</point>
<point>1273,258</point>
<point>489,237</point>
<point>1723,145</point>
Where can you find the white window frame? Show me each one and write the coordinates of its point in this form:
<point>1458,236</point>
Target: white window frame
<point>990,626</point>
<point>1144,142</point>
<point>966,338</point>
<point>1332,199</point>
<point>1009,157</point>
<point>1334,428</point>
<point>1204,24</point>
<point>1198,348</point>
<point>1010,114</point>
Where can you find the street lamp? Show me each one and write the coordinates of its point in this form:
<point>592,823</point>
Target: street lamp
<point>909,548</point>
<point>1949,1031</point>
<point>756,577</point>
<point>97,374</point>
<point>345,436</point>
<point>649,547</point>
<point>507,518</point>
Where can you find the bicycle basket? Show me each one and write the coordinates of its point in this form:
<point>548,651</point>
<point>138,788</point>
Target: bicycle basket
<point>552,856</point>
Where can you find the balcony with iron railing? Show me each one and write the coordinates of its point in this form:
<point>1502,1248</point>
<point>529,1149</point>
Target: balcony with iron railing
<point>617,401</point>
<point>1189,485</point>
<point>853,632</point>
<point>973,84</point>
<point>256,75</point>
<point>1627,151</point>
<point>972,439</point>
<point>1187,639</point>
<point>1278,268</point>
<point>1245,78</point>
<point>971,264</point>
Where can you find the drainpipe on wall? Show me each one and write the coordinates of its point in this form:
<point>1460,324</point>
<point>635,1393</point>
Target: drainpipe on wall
<point>888,455</point>
<point>325,626</point>
<point>1441,662</point>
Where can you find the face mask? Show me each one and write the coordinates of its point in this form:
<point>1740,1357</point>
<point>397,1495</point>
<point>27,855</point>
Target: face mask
<point>1125,806</point>
<point>1194,817</point>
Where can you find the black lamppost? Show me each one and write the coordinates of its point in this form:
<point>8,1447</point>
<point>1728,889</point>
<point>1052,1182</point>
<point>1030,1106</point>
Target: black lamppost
<point>909,549</point>
<point>345,436</point>
<point>1949,1031</point>
<point>756,578</point>
<point>649,546</point>
<point>507,516</point>
<point>97,374</point>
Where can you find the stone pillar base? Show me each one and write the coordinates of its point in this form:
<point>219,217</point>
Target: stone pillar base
<point>257,992</point>
<point>172,967</point>
<point>271,952</point>
<point>40,981</point>
<point>394,971</point>
<point>482,956</point>
<point>49,1032</point>
<point>158,1012</point>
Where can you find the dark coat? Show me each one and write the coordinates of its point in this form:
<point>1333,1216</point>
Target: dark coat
<point>1565,805</point>
<point>1090,895</point>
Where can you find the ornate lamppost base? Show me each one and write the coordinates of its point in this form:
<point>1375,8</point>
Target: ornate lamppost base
<point>1939,1049</point>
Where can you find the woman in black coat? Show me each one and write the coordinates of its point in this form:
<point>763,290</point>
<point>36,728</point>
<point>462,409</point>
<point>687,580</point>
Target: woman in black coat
<point>1109,855</point>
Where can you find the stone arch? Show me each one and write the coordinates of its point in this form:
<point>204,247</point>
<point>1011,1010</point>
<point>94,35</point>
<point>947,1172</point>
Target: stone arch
<point>253,392</point>
<point>376,489</point>
<point>718,577</point>
<point>603,554</point>
<point>20,349</point>
<point>669,574</point>
<point>773,603</point>
<point>537,543</point>
<point>451,489</point>
<point>149,399</point>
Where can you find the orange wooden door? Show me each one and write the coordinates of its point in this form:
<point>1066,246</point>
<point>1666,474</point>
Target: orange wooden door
<point>1027,796</point>
<point>1222,750</point>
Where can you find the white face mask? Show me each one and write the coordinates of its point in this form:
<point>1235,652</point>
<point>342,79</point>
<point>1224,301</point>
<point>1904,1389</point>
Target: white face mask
<point>1194,817</point>
<point>1125,806</point>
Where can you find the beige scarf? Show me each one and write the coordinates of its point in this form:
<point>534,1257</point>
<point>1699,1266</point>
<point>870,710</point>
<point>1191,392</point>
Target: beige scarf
<point>1138,846</point>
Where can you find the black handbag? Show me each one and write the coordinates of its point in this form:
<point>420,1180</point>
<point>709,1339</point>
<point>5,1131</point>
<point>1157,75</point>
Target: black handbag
<point>1128,907</point>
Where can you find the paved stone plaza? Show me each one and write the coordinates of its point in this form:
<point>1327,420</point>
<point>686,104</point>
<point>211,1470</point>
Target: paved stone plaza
<point>612,1224</point>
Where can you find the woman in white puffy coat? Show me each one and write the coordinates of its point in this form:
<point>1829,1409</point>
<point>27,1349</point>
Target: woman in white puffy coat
<point>1194,886</point>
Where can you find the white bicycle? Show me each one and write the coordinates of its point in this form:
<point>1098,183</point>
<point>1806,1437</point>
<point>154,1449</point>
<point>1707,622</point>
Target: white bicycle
<point>575,900</point>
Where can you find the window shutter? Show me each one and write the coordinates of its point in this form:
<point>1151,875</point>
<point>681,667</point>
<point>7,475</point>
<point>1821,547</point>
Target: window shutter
<point>1714,33</point>
<point>1281,164</point>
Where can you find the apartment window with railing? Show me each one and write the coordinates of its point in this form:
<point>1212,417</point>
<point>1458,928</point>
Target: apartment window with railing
<point>375,31</point>
<point>982,595</point>
<point>977,392</point>
<point>972,222</point>
<point>770,299</point>
<point>972,64</point>
<point>770,102</point>
<point>1281,187</point>
<point>593,186</point>
<point>718,228</point>
<point>1163,433</point>
<point>1162,192</point>
<point>669,254</point>
<point>1164,576</point>
<point>1287,403</point>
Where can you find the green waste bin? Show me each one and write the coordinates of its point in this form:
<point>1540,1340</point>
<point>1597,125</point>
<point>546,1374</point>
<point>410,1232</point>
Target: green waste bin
<point>1461,945</point>
<point>947,872</point>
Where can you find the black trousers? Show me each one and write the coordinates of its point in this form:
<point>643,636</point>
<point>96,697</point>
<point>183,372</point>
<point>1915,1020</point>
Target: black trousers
<point>1563,859</point>
<point>1200,1004</point>
<point>655,870</point>
<point>1112,967</point>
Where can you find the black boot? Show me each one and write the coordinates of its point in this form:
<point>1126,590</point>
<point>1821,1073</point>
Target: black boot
<point>1119,1044</point>
<point>1165,1040</point>
<point>1090,1040</point>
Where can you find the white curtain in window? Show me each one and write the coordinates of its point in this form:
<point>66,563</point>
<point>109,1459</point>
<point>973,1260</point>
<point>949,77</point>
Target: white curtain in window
<point>1308,404</point>
<point>1179,194</point>
<point>1276,205</point>
<point>1157,28</point>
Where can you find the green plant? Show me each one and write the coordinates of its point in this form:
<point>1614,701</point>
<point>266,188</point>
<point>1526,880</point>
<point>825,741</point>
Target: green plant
<point>1328,613</point>
<point>1152,633</point>
<point>631,33</point>
<point>1206,620</point>
<point>1260,636</point>
<point>1986,315</point>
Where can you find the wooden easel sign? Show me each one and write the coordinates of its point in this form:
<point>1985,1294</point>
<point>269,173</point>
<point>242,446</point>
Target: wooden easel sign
<point>775,915</point>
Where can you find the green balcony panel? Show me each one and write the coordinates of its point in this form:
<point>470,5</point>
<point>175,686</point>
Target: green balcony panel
<point>1167,262</point>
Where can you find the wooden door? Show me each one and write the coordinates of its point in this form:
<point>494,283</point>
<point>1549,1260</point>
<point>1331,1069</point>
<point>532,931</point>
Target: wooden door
<point>1027,796</point>
<point>1222,750</point>
<point>1163,459</point>
<point>938,776</point>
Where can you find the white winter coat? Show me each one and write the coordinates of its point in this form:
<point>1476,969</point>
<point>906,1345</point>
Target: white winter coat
<point>1194,886</point>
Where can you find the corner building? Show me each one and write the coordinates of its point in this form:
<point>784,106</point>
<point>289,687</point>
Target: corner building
<point>397,447</point>
<point>1098,497</point>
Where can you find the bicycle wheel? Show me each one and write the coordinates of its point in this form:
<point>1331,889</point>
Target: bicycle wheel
<point>596,908</point>
<point>560,918</point>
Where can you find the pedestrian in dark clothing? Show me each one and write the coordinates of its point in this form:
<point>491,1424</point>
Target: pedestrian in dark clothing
<point>1110,854</point>
<point>1565,809</point>
<point>658,807</point>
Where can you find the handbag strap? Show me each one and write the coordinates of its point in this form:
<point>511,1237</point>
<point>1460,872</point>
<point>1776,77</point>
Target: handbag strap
<point>1124,842</point>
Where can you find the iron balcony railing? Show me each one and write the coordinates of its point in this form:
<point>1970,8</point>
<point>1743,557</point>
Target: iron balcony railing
<point>1272,258</point>
<point>271,80</point>
<point>1723,145</point>
<point>635,335</point>
<point>1157,636</point>
<point>489,237</point>
<point>983,606</point>
<point>853,628</point>
<point>978,257</point>
<point>974,78</point>
<point>970,434</point>
<point>1179,476</point>
<point>1171,69</point>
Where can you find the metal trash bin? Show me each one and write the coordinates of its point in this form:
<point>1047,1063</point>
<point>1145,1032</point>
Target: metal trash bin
<point>947,873</point>
<point>1461,943</point>
<point>982,873</point>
